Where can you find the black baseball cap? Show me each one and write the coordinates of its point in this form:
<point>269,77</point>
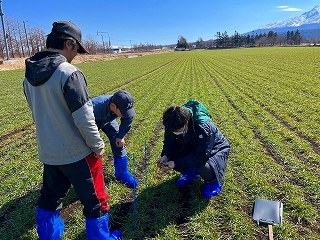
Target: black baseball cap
<point>124,101</point>
<point>67,28</point>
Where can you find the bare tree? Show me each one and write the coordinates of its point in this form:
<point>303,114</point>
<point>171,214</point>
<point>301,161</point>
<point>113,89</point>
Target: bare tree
<point>91,44</point>
<point>18,43</point>
<point>200,43</point>
<point>11,35</point>
<point>37,40</point>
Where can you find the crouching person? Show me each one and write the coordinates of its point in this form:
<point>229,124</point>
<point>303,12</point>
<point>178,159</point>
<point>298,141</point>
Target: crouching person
<point>107,108</point>
<point>194,146</point>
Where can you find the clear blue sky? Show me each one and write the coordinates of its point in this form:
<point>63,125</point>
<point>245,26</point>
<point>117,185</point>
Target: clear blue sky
<point>155,21</point>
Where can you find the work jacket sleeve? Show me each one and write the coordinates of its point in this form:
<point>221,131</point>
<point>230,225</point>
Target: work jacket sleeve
<point>80,105</point>
<point>125,125</point>
<point>200,147</point>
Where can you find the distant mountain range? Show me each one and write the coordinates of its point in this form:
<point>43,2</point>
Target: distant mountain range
<point>308,25</point>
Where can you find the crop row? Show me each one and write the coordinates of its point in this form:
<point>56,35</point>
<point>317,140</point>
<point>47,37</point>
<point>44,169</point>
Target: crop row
<point>265,101</point>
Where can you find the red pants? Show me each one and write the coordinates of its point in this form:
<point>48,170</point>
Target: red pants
<point>86,177</point>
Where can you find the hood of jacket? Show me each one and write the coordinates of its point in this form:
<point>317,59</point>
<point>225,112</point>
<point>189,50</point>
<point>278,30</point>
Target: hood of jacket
<point>198,111</point>
<point>41,66</point>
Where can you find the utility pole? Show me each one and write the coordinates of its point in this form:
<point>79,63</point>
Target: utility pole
<point>109,45</point>
<point>21,42</point>
<point>25,31</point>
<point>4,31</point>
<point>104,49</point>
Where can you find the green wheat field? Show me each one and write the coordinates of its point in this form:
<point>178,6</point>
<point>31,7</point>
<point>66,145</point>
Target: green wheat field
<point>264,100</point>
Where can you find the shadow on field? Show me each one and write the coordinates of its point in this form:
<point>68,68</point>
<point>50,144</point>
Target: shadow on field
<point>17,217</point>
<point>157,207</point>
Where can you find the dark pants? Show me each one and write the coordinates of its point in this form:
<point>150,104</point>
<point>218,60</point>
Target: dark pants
<point>213,169</point>
<point>86,177</point>
<point>111,130</point>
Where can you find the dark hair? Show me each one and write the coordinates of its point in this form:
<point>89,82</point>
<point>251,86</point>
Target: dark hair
<point>175,117</point>
<point>56,41</point>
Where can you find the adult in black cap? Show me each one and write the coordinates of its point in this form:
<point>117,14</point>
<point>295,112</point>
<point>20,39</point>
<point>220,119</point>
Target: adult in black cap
<point>107,108</point>
<point>69,144</point>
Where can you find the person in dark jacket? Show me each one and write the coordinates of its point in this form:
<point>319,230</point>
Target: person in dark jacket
<point>69,144</point>
<point>107,108</point>
<point>194,146</point>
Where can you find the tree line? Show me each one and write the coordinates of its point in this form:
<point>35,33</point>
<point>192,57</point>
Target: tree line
<point>23,41</point>
<point>266,39</point>
<point>223,40</point>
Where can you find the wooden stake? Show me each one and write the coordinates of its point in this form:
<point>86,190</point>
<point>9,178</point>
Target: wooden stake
<point>270,232</point>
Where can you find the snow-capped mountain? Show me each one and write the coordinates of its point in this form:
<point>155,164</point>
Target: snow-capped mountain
<point>308,25</point>
<point>310,17</point>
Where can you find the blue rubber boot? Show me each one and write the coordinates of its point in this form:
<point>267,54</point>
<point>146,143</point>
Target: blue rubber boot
<point>116,234</point>
<point>211,189</point>
<point>190,175</point>
<point>122,173</point>
<point>50,225</point>
<point>98,229</point>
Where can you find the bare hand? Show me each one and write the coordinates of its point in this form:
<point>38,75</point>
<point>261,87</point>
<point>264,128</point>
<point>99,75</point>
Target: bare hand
<point>162,161</point>
<point>120,142</point>
<point>169,165</point>
<point>99,154</point>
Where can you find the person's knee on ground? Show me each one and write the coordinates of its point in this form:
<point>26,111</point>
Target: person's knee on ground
<point>122,173</point>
